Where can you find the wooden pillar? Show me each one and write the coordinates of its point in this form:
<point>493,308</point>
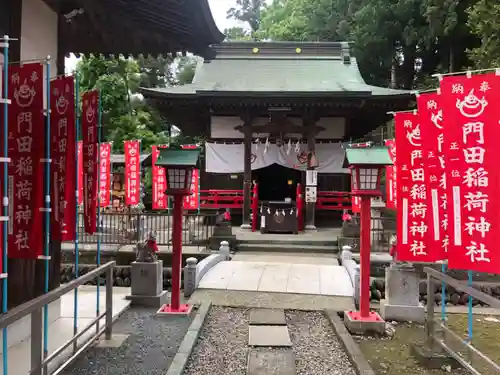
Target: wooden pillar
<point>247,174</point>
<point>309,123</point>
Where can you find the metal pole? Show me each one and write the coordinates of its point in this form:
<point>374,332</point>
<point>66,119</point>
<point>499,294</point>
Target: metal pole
<point>47,210</point>
<point>469,315</point>
<point>365,229</point>
<point>99,226</point>
<point>443,295</point>
<point>176,253</point>
<point>430,312</point>
<point>77,214</point>
<point>109,303</point>
<point>5,200</point>
<point>36,341</point>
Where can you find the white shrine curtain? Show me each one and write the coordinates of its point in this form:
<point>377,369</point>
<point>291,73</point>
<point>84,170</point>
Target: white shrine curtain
<point>228,158</point>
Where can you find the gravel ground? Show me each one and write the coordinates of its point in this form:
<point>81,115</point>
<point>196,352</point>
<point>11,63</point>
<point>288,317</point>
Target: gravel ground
<point>317,350</point>
<point>149,350</point>
<point>223,344</point>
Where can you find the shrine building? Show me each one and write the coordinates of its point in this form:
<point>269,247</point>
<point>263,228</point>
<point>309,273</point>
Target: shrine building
<point>271,110</point>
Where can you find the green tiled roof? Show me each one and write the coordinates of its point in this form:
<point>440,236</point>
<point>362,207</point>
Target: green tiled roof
<point>367,155</point>
<point>270,67</point>
<point>179,157</point>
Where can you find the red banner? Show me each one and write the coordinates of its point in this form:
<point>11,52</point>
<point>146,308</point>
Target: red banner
<point>80,172</point>
<point>90,167</point>
<point>25,171</point>
<point>192,202</point>
<point>160,199</point>
<point>431,121</point>
<point>472,119</point>
<point>62,105</point>
<point>356,204</point>
<point>132,173</point>
<point>413,216</point>
<point>391,176</point>
<point>105,175</point>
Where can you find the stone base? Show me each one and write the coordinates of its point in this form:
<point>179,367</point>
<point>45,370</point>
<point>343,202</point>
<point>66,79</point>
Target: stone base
<point>432,359</point>
<point>166,310</point>
<point>147,278</point>
<point>360,326</point>
<point>401,313</point>
<point>149,301</point>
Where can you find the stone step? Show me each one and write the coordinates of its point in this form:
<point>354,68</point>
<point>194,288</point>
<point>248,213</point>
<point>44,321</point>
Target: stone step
<point>287,248</point>
<point>269,336</point>
<point>291,239</point>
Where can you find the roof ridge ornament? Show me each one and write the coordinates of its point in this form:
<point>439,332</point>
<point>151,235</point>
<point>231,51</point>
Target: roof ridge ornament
<point>346,53</point>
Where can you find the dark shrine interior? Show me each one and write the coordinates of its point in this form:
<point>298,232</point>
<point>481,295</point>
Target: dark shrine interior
<point>273,182</point>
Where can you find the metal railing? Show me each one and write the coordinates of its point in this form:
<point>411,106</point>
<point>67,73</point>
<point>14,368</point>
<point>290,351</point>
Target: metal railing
<point>39,365</point>
<point>129,228</point>
<point>382,231</point>
<point>439,334</point>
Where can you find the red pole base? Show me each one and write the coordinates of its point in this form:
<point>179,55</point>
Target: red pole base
<point>168,309</point>
<point>372,316</point>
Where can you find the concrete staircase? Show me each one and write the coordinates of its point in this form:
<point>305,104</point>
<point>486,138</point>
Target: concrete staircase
<point>288,245</point>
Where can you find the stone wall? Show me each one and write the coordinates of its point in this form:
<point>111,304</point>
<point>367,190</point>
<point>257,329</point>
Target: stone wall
<point>453,297</point>
<point>122,275</point>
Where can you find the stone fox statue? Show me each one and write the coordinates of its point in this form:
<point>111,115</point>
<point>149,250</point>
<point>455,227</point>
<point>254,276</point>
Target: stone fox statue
<point>147,251</point>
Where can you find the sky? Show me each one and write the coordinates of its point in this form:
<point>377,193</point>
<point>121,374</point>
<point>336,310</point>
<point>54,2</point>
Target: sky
<point>219,9</point>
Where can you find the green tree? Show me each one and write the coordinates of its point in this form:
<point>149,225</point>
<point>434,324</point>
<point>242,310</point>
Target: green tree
<point>248,11</point>
<point>186,68</point>
<point>396,42</point>
<point>484,21</point>
<point>237,33</point>
<point>156,71</point>
<point>124,115</point>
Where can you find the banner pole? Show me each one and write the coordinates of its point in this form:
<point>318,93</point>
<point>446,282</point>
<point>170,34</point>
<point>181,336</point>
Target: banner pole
<point>469,315</point>
<point>443,295</point>
<point>99,226</point>
<point>47,210</point>
<point>5,203</point>
<point>77,214</point>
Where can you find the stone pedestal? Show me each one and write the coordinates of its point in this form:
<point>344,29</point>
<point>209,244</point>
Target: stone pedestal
<point>402,295</point>
<point>223,232</point>
<point>147,284</point>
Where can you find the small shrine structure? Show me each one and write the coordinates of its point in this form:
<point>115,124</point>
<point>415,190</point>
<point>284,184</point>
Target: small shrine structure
<point>272,110</point>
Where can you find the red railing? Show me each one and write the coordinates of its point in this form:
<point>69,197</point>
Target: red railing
<point>326,200</point>
<point>333,200</point>
<point>216,199</point>
<point>255,206</point>
<point>300,208</point>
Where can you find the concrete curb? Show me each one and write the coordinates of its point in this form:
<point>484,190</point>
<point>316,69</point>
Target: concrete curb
<point>188,343</point>
<point>357,358</point>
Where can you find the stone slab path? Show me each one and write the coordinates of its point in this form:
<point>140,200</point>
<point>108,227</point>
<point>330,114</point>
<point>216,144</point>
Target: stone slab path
<point>268,329</point>
<point>269,336</point>
<point>267,317</point>
<point>271,363</point>
<point>313,279</point>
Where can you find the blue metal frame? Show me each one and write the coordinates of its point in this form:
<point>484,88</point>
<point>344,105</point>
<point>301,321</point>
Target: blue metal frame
<point>47,210</point>
<point>77,215</point>
<point>5,210</point>
<point>99,226</point>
